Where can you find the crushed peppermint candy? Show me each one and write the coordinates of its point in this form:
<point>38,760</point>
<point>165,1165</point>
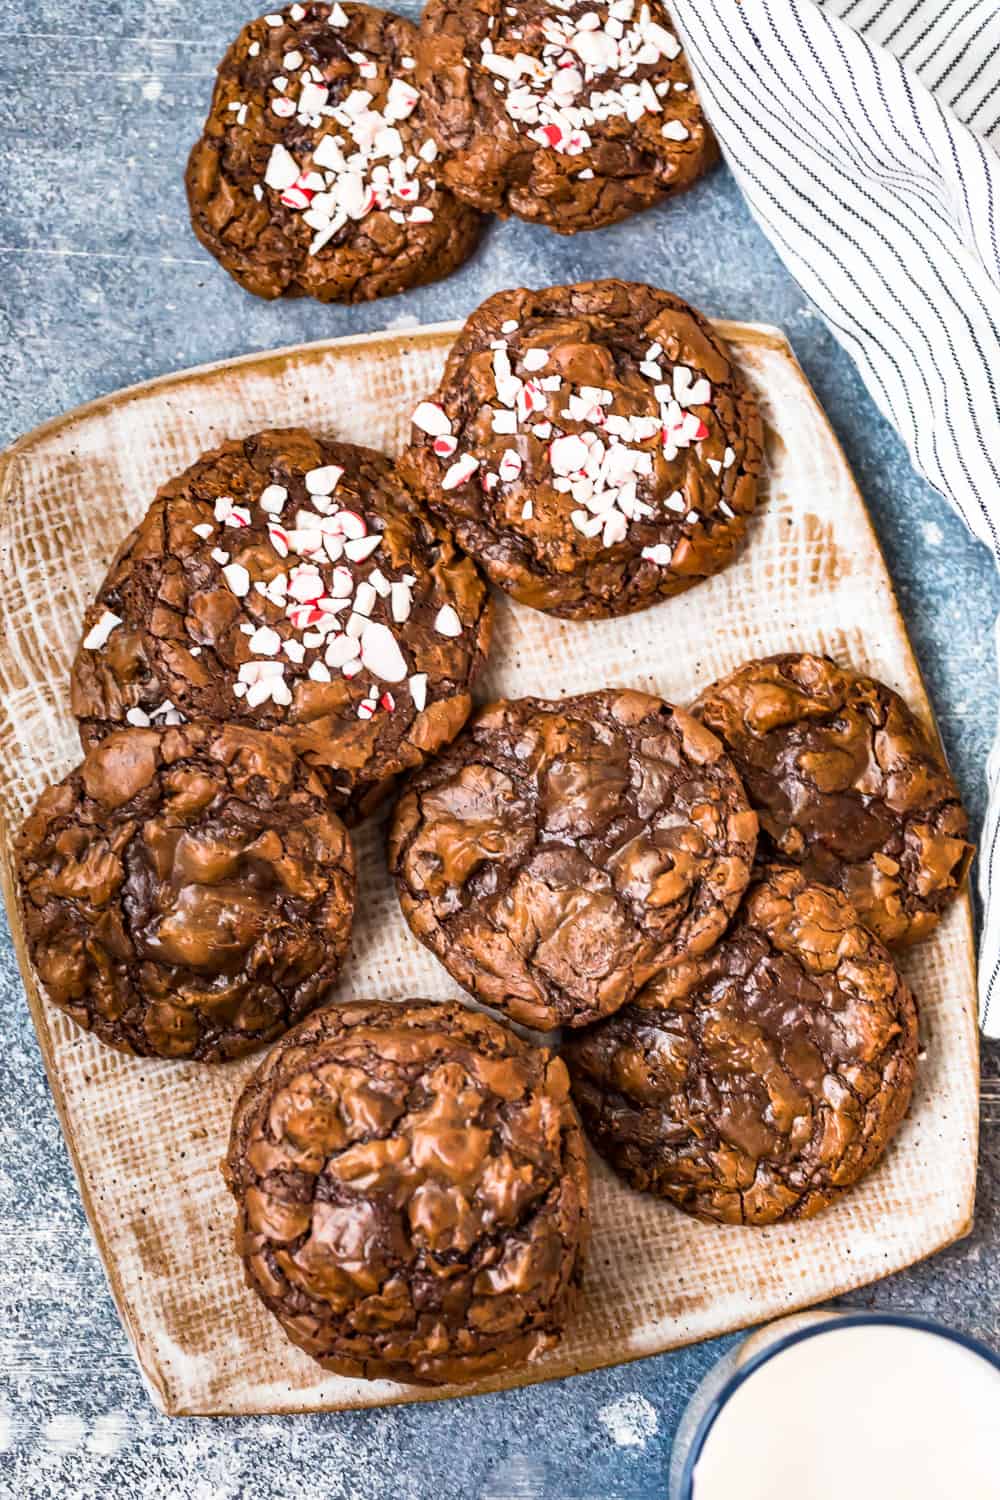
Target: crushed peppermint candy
<point>447,621</point>
<point>586,73</point>
<point>358,161</point>
<point>97,635</point>
<point>601,465</point>
<point>329,619</point>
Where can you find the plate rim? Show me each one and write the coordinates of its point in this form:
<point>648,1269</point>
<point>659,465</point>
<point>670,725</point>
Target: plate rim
<point>154,1378</point>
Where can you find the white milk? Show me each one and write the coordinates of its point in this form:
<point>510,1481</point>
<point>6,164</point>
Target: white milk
<point>873,1412</point>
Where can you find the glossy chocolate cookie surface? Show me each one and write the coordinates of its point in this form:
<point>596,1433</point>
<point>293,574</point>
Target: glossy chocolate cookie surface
<point>187,893</point>
<point>561,853</point>
<point>412,1191</point>
<point>756,1083</point>
<point>848,785</point>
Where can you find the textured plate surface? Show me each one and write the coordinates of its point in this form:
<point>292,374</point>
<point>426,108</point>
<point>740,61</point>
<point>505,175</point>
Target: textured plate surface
<point>146,1137</point>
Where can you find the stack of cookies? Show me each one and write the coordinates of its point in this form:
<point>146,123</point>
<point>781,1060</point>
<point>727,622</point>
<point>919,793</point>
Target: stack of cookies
<point>348,154</point>
<point>702,899</point>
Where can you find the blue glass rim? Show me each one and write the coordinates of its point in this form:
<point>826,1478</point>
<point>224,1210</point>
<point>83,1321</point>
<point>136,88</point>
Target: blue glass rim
<point>835,1320</point>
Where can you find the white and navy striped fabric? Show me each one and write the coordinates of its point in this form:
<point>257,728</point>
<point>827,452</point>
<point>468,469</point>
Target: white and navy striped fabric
<point>864,134</point>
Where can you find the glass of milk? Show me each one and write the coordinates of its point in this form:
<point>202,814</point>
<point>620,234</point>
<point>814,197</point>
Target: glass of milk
<point>844,1406</point>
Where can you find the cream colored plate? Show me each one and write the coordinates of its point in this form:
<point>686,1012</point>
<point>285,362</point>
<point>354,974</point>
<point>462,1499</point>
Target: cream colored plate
<point>146,1137</point>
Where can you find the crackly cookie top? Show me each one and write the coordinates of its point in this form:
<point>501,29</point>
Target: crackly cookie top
<point>848,784</point>
<point>572,113</point>
<point>594,447</point>
<point>561,853</point>
<point>289,584</point>
<point>412,1190</point>
<point>316,172</point>
<point>758,1081</point>
<point>187,892</point>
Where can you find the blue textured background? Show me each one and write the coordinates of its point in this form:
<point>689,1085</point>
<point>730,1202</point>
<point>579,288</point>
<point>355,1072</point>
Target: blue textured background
<point>102,285</point>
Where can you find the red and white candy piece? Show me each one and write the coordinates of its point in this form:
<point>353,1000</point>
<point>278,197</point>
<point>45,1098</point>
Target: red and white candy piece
<point>661,554</point>
<point>510,465</point>
<point>278,537</point>
<point>282,168</point>
<point>272,499</point>
<point>447,622</point>
<point>265,641</point>
<point>305,583</point>
<point>460,472</point>
<point>687,390</point>
<point>323,481</point>
<point>418,690</point>
<point>380,653</point>
<point>237,579</point>
<point>432,419</point>
<point>97,635</point>
<point>360,548</point>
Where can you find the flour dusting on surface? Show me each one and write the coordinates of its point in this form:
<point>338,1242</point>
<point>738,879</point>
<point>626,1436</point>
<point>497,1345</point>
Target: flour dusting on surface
<point>112,1431</point>
<point>629,1421</point>
<point>516,1478</point>
<point>63,1433</point>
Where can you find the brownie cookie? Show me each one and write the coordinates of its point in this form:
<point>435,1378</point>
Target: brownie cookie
<point>757,1082</point>
<point>187,892</point>
<point>412,1190</point>
<point>594,447</point>
<point>848,785</point>
<point>290,584</point>
<point>571,113</point>
<point>561,853</point>
<point>316,173</point>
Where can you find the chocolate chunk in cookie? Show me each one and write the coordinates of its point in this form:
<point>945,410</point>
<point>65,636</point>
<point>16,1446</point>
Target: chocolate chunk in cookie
<point>757,1082</point>
<point>594,447</point>
<point>316,173</point>
<point>561,853</point>
<point>293,585</point>
<point>187,893</point>
<point>848,784</point>
<point>570,113</point>
<point>412,1190</point>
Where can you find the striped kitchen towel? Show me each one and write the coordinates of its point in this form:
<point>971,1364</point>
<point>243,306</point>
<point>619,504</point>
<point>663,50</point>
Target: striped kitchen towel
<point>864,135</point>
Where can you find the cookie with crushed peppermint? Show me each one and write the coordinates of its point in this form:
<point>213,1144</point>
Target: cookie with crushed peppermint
<point>570,113</point>
<point>594,447</point>
<point>316,173</point>
<point>293,585</point>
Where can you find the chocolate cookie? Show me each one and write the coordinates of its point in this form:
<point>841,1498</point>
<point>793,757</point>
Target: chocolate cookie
<point>757,1082</point>
<point>594,447</point>
<point>412,1190</point>
<point>848,785</point>
<point>316,173</point>
<point>571,113</point>
<point>290,584</point>
<point>561,853</point>
<point>187,893</point>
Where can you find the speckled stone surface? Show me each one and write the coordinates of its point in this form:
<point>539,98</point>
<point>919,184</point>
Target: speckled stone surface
<point>103,284</point>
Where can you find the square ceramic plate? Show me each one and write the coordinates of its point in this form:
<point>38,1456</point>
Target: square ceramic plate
<point>146,1137</point>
